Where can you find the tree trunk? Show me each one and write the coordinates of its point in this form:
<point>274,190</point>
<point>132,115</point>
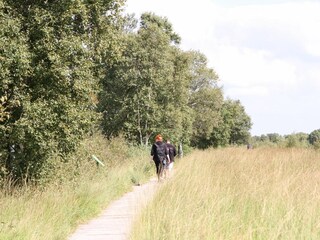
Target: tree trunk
<point>139,126</point>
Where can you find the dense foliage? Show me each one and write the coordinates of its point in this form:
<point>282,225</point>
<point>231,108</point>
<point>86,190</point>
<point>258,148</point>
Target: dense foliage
<point>314,138</point>
<point>158,88</point>
<point>52,54</point>
<point>68,67</point>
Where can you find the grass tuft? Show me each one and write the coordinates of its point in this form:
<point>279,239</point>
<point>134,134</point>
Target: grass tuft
<point>76,191</point>
<point>237,194</point>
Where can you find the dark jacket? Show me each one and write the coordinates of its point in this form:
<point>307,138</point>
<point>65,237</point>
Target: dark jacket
<point>172,151</point>
<point>159,151</point>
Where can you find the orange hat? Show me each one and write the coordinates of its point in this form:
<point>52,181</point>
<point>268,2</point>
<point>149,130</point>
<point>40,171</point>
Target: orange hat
<point>159,137</point>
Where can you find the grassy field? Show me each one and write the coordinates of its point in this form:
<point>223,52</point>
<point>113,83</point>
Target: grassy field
<point>237,194</point>
<point>77,192</point>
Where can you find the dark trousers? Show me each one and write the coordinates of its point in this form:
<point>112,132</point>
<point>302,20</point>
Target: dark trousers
<point>157,163</point>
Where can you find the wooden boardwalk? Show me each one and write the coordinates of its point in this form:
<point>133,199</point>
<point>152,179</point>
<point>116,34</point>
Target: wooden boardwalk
<point>115,222</point>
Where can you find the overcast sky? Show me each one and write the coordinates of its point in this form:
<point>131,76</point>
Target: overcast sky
<point>266,53</point>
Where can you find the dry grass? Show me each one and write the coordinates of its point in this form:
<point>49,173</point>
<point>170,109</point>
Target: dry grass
<point>238,194</point>
<point>78,192</point>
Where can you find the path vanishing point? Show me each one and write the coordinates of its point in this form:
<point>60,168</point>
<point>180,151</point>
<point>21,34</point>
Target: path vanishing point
<point>115,222</point>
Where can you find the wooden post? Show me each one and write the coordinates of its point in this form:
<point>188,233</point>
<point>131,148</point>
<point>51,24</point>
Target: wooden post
<point>98,162</point>
<point>180,151</point>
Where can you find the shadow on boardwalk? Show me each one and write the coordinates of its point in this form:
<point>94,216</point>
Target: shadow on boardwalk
<point>115,222</point>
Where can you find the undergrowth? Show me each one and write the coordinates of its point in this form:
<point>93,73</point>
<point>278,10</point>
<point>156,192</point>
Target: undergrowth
<point>73,190</point>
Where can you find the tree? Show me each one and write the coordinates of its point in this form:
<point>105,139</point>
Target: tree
<point>234,129</point>
<point>274,137</point>
<point>205,99</point>
<point>202,77</point>
<point>241,124</point>
<point>206,104</point>
<point>157,88</point>
<point>150,20</point>
<point>14,68</point>
<point>144,93</point>
<point>292,141</point>
<point>314,138</point>
<point>51,99</point>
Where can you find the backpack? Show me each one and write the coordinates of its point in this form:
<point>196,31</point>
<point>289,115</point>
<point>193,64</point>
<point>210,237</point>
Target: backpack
<point>161,151</point>
<point>171,151</point>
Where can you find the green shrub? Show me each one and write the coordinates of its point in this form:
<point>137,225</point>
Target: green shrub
<point>72,190</point>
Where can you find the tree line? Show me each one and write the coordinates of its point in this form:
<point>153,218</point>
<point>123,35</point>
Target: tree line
<point>70,68</point>
<point>300,139</point>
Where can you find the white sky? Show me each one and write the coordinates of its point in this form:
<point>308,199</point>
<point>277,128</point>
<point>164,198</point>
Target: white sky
<point>266,53</point>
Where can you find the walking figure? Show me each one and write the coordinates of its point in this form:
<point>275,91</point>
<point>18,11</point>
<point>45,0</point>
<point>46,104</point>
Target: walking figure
<point>160,156</point>
<point>172,153</point>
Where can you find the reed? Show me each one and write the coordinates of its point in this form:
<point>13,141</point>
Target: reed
<point>237,194</point>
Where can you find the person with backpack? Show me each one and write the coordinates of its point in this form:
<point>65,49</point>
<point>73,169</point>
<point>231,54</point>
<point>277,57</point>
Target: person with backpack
<point>160,156</point>
<point>172,153</point>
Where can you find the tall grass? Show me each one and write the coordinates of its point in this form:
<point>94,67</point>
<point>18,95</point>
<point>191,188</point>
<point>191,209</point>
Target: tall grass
<point>77,191</point>
<point>238,194</point>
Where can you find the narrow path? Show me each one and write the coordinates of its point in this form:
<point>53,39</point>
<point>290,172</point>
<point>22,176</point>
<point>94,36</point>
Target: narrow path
<point>115,222</point>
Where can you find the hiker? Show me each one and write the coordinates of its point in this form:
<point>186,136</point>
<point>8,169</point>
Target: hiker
<point>172,153</point>
<point>160,156</point>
